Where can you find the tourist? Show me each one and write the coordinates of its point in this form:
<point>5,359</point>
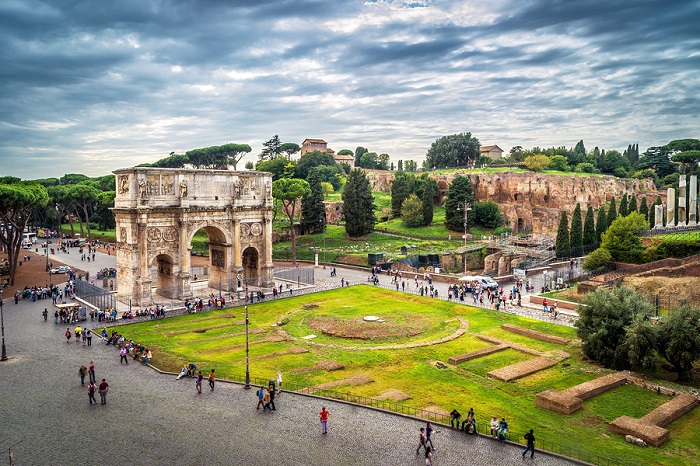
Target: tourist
<point>261,396</point>
<point>421,441</point>
<point>68,335</point>
<point>45,314</point>
<point>122,355</point>
<point>147,357</point>
<point>279,381</point>
<point>84,336</point>
<point>183,372</point>
<point>91,392</point>
<point>82,372</point>
<point>530,437</point>
<point>469,424</point>
<point>454,418</point>
<point>89,337</point>
<point>428,457</point>
<point>211,380</point>
<point>91,372</point>
<point>323,415</point>
<point>545,305</point>
<point>271,389</point>
<point>503,430</point>
<point>428,432</point>
<point>266,400</point>
<point>104,386</point>
<point>198,382</point>
<point>494,426</point>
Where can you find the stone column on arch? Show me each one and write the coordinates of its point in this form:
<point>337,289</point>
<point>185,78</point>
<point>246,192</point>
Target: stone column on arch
<point>144,280</point>
<point>670,208</point>
<point>185,259</point>
<point>682,212</point>
<point>693,207</point>
<point>267,267</point>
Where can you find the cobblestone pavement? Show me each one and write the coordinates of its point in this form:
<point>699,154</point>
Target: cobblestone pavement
<point>151,418</point>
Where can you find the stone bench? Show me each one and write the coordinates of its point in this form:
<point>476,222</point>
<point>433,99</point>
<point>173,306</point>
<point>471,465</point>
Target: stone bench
<point>522,369</point>
<point>477,354</point>
<point>535,334</point>
<point>650,428</point>
<point>571,400</point>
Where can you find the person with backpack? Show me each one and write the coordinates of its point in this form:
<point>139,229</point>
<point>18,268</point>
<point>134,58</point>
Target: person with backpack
<point>68,335</point>
<point>211,380</point>
<point>91,392</point>
<point>421,441</point>
<point>261,397</point>
<point>530,437</point>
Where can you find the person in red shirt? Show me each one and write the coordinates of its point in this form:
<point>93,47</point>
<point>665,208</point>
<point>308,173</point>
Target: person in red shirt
<point>104,386</point>
<point>323,415</point>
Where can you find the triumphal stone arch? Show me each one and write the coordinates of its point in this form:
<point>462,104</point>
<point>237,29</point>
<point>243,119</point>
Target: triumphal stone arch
<point>159,210</point>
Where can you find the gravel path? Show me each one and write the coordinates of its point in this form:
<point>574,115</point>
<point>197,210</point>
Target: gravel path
<point>151,418</point>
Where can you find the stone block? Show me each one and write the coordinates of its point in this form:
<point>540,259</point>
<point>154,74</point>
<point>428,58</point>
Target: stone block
<point>651,434</point>
<point>535,334</point>
<point>522,369</point>
<point>559,402</point>
<point>477,354</point>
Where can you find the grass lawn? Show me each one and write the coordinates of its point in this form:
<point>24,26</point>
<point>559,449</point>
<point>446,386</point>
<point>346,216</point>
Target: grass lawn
<point>216,339</point>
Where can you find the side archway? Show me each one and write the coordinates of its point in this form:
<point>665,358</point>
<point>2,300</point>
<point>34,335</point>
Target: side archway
<point>251,265</point>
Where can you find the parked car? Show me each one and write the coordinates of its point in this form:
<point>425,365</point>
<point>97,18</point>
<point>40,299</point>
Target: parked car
<point>484,280</point>
<point>60,269</point>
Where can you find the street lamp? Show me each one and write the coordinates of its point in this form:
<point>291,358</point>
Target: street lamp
<point>466,207</point>
<point>247,365</point>
<point>2,327</point>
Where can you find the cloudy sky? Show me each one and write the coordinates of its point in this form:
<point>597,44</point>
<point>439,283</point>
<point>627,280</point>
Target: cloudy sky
<point>91,86</point>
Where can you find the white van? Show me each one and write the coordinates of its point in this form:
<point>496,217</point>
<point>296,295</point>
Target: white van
<point>484,280</point>
<point>28,240</point>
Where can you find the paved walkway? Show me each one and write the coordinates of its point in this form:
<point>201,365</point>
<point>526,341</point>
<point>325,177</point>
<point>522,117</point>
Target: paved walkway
<point>151,418</point>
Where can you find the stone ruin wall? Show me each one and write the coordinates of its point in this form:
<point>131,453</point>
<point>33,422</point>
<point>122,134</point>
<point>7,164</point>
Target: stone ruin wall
<point>534,201</point>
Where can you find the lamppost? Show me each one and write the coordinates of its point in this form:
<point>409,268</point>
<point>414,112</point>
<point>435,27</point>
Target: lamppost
<point>466,207</point>
<point>2,327</point>
<point>247,365</point>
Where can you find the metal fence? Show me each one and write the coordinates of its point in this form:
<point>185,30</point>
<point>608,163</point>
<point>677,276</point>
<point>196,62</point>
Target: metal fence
<point>298,275</point>
<point>98,297</point>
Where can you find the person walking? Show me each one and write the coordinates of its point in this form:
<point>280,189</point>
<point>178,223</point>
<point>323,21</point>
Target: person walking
<point>198,382</point>
<point>530,437</point>
<point>83,335</point>
<point>271,389</point>
<point>323,415</point>
<point>279,382</point>
<point>211,380</point>
<point>91,372</point>
<point>91,392</point>
<point>89,337</point>
<point>421,441</point>
<point>428,457</point>
<point>261,398</point>
<point>68,335</point>
<point>428,433</point>
<point>122,355</point>
<point>104,386</point>
<point>82,372</point>
<point>45,314</point>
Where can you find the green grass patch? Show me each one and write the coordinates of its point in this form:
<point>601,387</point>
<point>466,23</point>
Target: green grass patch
<point>215,340</point>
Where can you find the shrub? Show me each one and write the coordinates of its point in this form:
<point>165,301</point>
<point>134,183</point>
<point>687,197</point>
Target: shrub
<point>620,172</point>
<point>585,167</point>
<point>536,162</point>
<point>559,162</point>
<point>487,214</point>
<point>500,230</point>
<point>412,211</point>
<point>597,259</point>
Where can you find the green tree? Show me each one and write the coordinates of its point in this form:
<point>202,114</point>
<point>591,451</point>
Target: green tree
<point>411,165</point>
<point>399,165</point>
<point>632,205</point>
<point>559,163</point>
<point>278,167</point>
<point>598,259</point>
<point>358,204</point>
<point>622,238</point>
<point>402,186</point>
<point>84,197</point>
<point>272,148</point>
<point>346,152</point>
<point>536,162</point>
<point>622,211</point>
<point>289,148</point>
<point>641,342</point>
<point>289,191</point>
<point>17,201</point>
<point>603,321</point>
<point>601,224</point>
<point>487,214</point>
<point>359,152</point>
<point>172,161</point>
<point>313,211</point>
<point>684,145</point>
<point>576,231</point>
<point>103,215</point>
<point>459,192</point>
<point>332,174</point>
<point>412,211</point>
<point>657,158</point>
<point>369,160</point>
<point>578,155</point>
<point>611,160</point>
<point>680,344</point>
<point>562,243</point>
<point>612,212</point>
<point>312,159</point>
<point>217,157</point>
<point>428,193</point>
<point>644,208</point>
<point>455,150</point>
<point>688,159</point>
<point>589,228</point>
<point>383,162</point>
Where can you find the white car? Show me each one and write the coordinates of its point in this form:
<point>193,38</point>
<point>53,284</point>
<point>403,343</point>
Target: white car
<point>60,269</point>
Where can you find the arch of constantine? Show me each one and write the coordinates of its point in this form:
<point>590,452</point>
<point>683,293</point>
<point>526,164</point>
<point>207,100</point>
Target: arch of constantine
<point>159,210</point>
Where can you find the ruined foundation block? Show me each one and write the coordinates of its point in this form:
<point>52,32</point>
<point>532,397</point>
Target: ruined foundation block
<point>522,369</point>
<point>535,334</point>
<point>477,354</point>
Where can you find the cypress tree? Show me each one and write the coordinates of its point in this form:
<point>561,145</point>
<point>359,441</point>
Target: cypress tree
<point>632,207</point>
<point>601,224</point>
<point>460,190</point>
<point>644,208</point>
<point>358,204</point>
<point>622,211</point>
<point>612,213</point>
<point>427,196</point>
<point>562,244</point>
<point>589,228</point>
<point>576,232</point>
<point>313,211</point>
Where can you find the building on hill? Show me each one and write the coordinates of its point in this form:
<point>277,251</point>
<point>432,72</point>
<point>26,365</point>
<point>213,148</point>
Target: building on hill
<point>493,152</point>
<point>310,145</point>
<point>345,158</point>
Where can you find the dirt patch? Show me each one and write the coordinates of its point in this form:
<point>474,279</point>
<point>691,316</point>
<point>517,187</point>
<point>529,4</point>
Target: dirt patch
<point>254,331</point>
<point>437,410</point>
<point>321,366</point>
<point>292,350</point>
<point>670,289</point>
<point>590,420</point>
<point>353,380</point>
<point>361,330</point>
<point>310,306</point>
<point>394,395</point>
